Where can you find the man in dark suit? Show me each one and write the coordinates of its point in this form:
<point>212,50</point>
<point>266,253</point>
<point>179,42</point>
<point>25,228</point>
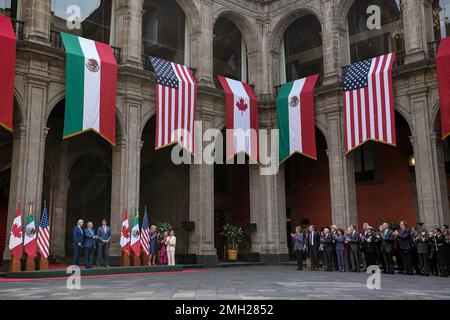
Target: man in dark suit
<point>89,244</point>
<point>77,242</point>
<point>328,249</point>
<point>313,243</point>
<point>387,239</point>
<point>104,239</point>
<point>354,244</point>
<point>404,240</point>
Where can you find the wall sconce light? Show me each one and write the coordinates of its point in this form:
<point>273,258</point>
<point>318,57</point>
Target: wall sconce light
<point>412,161</point>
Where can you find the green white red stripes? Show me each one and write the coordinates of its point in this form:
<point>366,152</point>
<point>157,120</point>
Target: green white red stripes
<point>91,79</point>
<point>295,113</point>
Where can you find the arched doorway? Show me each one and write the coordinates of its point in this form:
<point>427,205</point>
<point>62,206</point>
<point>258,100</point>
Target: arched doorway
<point>165,33</point>
<point>442,148</point>
<point>229,51</point>
<point>301,52</point>
<point>89,194</point>
<point>164,187</point>
<point>77,180</point>
<point>6,155</point>
<point>385,180</point>
<point>231,201</point>
<point>307,185</point>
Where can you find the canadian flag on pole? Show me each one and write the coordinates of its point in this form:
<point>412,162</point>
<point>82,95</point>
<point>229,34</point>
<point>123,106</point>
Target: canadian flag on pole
<point>15,239</point>
<point>136,236</point>
<point>125,234</point>
<point>29,242</point>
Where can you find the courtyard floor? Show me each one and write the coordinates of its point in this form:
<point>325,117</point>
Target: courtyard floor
<point>255,283</point>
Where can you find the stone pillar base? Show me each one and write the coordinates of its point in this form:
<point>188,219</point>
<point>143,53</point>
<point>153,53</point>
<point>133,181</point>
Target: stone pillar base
<point>207,260</point>
<point>273,257</point>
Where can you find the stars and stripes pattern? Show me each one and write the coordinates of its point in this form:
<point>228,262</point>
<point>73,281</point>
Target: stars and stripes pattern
<point>369,102</point>
<point>145,234</point>
<point>176,100</point>
<point>43,238</point>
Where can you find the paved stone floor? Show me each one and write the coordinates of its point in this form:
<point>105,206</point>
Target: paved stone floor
<point>267,282</point>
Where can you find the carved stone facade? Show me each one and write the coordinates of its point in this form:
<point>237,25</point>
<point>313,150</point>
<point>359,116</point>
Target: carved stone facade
<point>40,86</point>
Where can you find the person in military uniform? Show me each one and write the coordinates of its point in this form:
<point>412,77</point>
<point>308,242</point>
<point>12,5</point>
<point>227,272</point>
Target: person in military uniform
<point>404,241</point>
<point>422,241</point>
<point>440,243</point>
<point>370,246</point>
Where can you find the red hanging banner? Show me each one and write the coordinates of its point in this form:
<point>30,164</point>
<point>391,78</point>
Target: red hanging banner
<point>7,66</point>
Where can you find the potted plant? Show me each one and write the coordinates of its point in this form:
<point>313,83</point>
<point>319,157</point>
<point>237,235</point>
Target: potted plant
<point>234,236</point>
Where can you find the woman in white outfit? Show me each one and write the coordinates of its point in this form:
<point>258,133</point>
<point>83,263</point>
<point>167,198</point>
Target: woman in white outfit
<point>171,242</point>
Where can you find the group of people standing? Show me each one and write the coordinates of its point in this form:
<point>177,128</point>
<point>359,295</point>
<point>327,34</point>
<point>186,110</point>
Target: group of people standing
<point>165,244</point>
<point>86,241</point>
<point>411,250</point>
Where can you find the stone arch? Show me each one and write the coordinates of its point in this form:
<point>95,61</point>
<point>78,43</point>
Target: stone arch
<point>405,113</point>
<point>146,117</point>
<point>321,126</point>
<point>18,107</point>
<point>192,14</point>
<point>342,11</point>
<point>284,23</point>
<point>242,23</point>
<point>435,113</point>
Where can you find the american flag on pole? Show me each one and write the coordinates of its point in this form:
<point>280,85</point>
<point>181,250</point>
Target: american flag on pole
<point>43,238</point>
<point>176,101</point>
<point>369,102</point>
<point>145,234</point>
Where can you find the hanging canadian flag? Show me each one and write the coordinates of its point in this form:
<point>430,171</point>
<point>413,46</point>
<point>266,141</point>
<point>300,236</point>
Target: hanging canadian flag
<point>242,119</point>
<point>125,234</point>
<point>7,65</point>
<point>443,72</point>
<point>16,236</point>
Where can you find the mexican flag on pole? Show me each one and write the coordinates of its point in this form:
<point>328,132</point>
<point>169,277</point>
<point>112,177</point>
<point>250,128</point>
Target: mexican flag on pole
<point>30,235</point>
<point>15,238</point>
<point>295,113</point>
<point>91,79</point>
<point>125,234</point>
<point>136,236</point>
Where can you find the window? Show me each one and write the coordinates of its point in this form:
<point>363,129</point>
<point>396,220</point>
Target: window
<point>95,16</point>
<point>365,163</point>
<point>9,8</point>
<point>230,51</point>
<point>164,30</point>
<point>441,13</point>
<point>301,49</point>
<point>364,43</point>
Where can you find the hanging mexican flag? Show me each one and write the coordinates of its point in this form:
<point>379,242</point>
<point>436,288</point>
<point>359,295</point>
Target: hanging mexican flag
<point>7,66</point>
<point>91,79</point>
<point>295,113</point>
<point>16,237</point>
<point>30,235</point>
<point>136,236</point>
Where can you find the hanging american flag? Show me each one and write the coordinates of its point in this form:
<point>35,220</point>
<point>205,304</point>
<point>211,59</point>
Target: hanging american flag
<point>176,101</point>
<point>43,237</point>
<point>369,102</point>
<point>145,234</point>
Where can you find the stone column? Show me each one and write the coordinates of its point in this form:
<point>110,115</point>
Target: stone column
<point>330,40</point>
<point>37,21</point>
<point>268,211</point>
<point>126,170</point>
<point>342,175</point>
<point>29,146</point>
<point>439,168</point>
<point>129,31</point>
<point>433,208</point>
<point>201,197</point>
<point>415,24</point>
<point>202,45</point>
